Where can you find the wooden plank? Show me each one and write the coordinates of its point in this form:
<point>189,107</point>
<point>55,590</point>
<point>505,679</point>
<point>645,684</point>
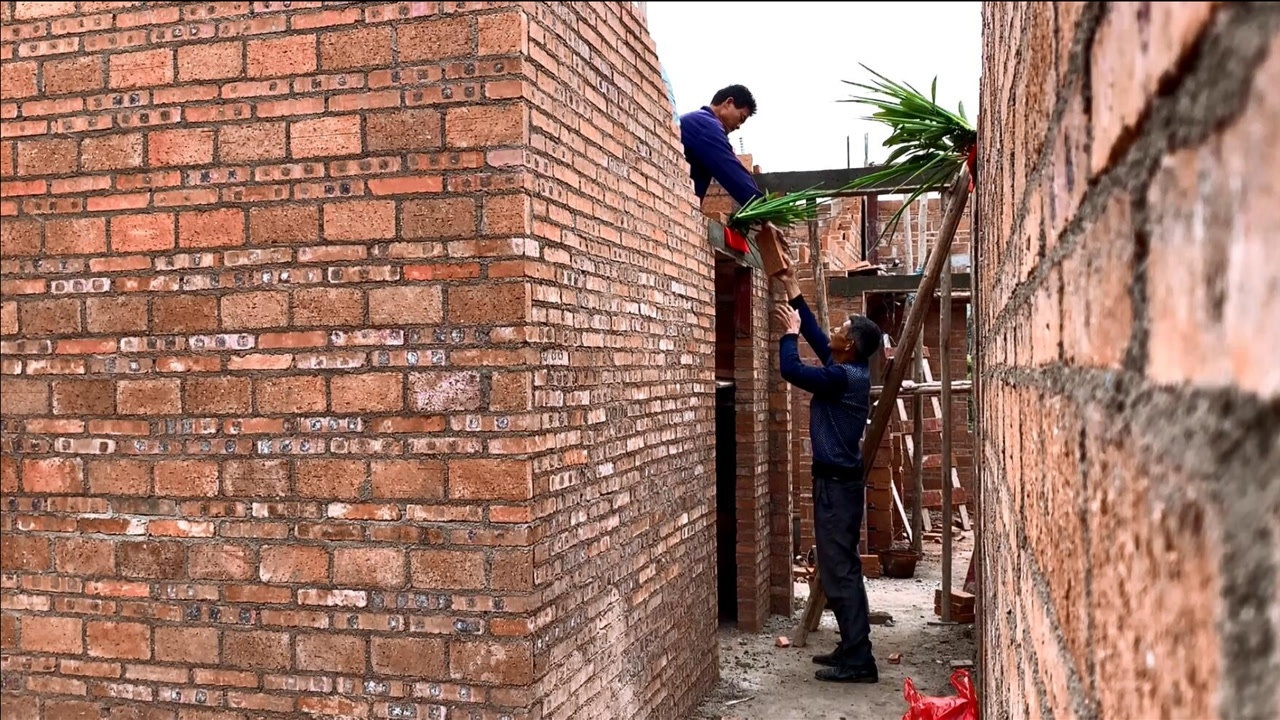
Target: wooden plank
<point>944,342</point>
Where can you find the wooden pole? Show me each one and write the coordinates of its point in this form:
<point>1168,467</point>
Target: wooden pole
<point>897,370</point>
<point>944,342</point>
<point>917,461</point>
<point>940,256</point>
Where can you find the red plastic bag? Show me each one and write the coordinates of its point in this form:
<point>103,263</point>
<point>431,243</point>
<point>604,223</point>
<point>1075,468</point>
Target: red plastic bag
<point>962,706</point>
<point>735,240</point>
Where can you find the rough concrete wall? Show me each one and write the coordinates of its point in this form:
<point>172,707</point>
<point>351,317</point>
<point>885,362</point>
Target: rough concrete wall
<point>356,363</point>
<point>1131,398</point>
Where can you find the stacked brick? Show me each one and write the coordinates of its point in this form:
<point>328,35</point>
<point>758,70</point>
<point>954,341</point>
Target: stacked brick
<point>1127,320</point>
<point>355,363</point>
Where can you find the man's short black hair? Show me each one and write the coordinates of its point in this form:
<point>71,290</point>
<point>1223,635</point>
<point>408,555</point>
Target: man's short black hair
<point>740,95</point>
<point>865,335</point>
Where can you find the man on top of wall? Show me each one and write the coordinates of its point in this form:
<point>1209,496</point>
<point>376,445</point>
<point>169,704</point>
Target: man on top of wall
<point>705,134</point>
<point>838,409</point>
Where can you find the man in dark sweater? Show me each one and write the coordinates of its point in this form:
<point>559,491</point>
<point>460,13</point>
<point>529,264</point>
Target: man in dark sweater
<point>838,409</point>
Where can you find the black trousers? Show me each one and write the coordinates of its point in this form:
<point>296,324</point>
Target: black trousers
<point>838,497</point>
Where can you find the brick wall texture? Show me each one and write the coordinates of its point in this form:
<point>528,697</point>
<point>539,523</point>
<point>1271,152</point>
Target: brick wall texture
<point>1128,272</point>
<point>356,363</point>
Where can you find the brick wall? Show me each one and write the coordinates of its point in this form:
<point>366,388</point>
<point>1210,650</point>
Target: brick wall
<point>356,363</point>
<point>1127,273</point>
<point>900,252</point>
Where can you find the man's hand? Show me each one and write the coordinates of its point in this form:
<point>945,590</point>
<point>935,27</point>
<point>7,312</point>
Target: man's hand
<point>790,319</point>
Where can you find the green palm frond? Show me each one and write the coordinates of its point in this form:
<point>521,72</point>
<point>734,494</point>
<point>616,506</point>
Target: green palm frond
<point>930,144</point>
<point>783,210</point>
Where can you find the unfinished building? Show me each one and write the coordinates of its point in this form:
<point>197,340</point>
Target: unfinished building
<point>373,360</point>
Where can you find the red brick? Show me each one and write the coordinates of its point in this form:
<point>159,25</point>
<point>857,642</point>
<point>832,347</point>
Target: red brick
<point>8,318</point>
<point>505,33</point>
<point>180,147</point>
<point>251,142</point>
<point>507,215</point>
<point>491,662</point>
<point>486,125</point>
<point>250,310</point>
<point>417,129</point>
<point>438,217</point>
<point>435,39</point>
<point>330,479</point>
<point>122,314</point>
<point>73,75</point>
<point>53,475</point>
<point>148,397</point>
<point>360,220</point>
<point>493,305</point>
<point>19,237</point>
<point>75,236</point>
<point>187,478</point>
<point>47,157</point>
<point>84,397</point>
<point>294,564</point>
<point>330,653</point>
<point>288,395</point>
<point>111,152</point>
<point>417,657</point>
<point>184,313</point>
<point>37,10</point>
<point>49,317</point>
<point>118,640</point>
<point>147,68</point>
<point>367,392</point>
<point>257,649</point>
<point>255,478</point>
<point>119,477</point>
<point>187,644</point>
<point>414,305</point>
<point>25,554</point>
<point>46,633</point>
<point>284,224</point>
<point>210,62</point>
<point>214,228</point>
<point>325,137</point>
<point>24,396</point>
<point>17,79</point>
<point>511,570</point>
<point>409,479</point>
<point>221,562</point>
<point>510,392</point>
<point>157,560</point>
<point>446,569</point>
<point>351,49</point>
<point>293,55</point>
<point>484,479</point>
<point>327,306</point>
<point>216,396</point>
<point>142,232</point>
<point>369,567</point>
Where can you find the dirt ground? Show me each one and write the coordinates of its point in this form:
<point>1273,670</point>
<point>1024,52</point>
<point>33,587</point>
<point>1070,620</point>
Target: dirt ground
<point>759,681</point>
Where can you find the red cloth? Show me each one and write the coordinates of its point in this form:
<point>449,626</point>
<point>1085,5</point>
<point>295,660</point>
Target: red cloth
<point>735,240</point>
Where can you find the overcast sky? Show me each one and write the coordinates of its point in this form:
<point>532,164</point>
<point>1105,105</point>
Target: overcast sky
<point>794,57</point>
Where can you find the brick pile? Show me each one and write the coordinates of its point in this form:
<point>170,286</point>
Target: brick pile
<point>355,363</point>
<point>1127,320</point>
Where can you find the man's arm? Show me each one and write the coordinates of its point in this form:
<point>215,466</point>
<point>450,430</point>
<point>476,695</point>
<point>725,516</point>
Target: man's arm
<point>712,149</point>
<point>827,380</point>
<point>809,326</point>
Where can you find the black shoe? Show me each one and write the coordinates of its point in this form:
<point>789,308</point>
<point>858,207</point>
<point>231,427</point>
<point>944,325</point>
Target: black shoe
<point>829,659</point>
<point>849,674</point>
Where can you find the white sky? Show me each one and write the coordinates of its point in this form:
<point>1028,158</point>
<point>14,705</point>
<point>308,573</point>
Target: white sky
<point>795,56</point>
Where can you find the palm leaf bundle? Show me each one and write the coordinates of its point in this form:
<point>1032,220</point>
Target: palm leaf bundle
<point>783,210</point>
<point>930,143</point>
